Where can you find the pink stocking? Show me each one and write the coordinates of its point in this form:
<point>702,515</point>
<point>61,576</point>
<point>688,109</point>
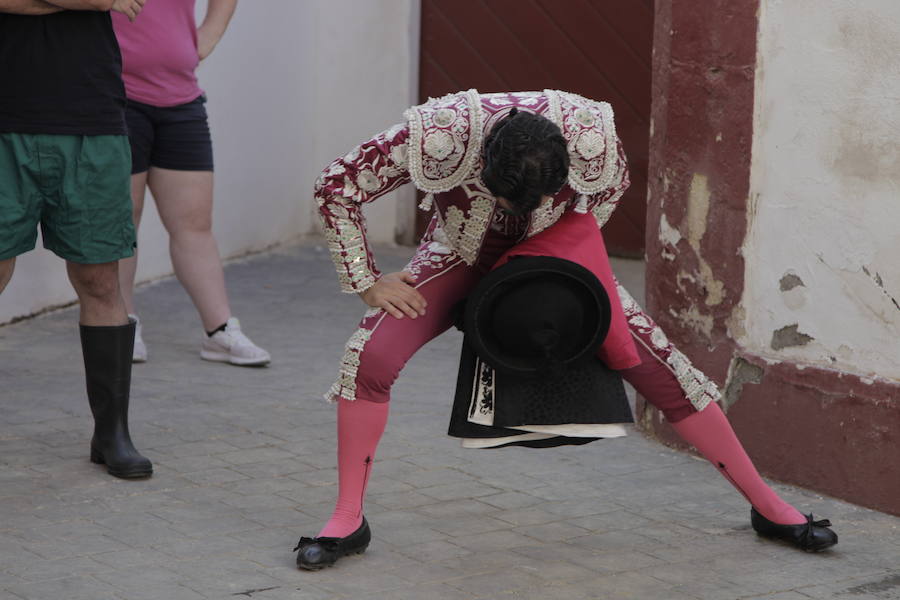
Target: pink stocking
<point>710,432</point>
<point>360,425</point>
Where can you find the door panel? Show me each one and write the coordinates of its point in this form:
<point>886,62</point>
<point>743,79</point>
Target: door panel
<point>597,48</point>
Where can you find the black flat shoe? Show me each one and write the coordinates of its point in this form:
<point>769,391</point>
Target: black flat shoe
<point>321,552</point>
<point>812,536</point>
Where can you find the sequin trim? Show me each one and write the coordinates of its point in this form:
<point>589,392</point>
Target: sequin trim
<point>589,129</point>
<point>432,259</point>
<point>581,207</point>
<point>432,256</point>
<point>603,211</point>
<point>445,140</point>
<point>366,172</point>
<point>546,214</point>
<point>427,202</point>
<point>698,388</point>
<point>465,229</point>
<point>345,386</point>
<point>606,202</point>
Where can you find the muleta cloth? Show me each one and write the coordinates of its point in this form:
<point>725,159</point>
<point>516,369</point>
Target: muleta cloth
<point>543,341</point>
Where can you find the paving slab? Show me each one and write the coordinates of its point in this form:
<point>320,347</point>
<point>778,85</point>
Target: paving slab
<point>245,465</point>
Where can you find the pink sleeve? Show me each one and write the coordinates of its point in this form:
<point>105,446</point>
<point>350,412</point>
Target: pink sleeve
<point>370,170</point>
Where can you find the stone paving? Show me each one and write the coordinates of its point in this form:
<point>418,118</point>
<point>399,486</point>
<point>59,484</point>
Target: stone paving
<point>245,465</point>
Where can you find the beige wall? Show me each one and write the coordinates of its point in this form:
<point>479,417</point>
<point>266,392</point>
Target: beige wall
<point>291,86</point>
<point>822,252</point>
<point>366,76</point>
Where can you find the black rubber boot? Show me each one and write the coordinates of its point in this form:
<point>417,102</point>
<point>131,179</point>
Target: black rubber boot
<point>107,367</point>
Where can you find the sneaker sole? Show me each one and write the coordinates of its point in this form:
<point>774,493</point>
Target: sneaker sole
<point>227,358</point>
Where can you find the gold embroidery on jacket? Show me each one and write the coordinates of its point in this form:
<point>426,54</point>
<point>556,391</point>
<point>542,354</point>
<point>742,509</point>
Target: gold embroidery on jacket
<point>345,386</point>
<point>444,140</point>
<point>698,388</point>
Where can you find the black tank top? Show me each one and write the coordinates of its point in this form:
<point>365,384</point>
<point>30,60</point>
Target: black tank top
<point>61,73</point>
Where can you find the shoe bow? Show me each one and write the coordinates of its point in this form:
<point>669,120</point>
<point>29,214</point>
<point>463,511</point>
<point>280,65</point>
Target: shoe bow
<point>808,536</point>
<point>329,544</point>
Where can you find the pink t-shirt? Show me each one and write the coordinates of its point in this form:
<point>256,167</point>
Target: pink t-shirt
<point>159,53</point>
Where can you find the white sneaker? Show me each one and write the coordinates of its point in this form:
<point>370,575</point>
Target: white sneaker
<point>232,346</point>
<point>139,354</point>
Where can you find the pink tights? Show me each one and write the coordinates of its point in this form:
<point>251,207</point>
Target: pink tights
<point>444,280</point>
<point>360,425</point>
<point>362,422</point>
<point>710,433</point>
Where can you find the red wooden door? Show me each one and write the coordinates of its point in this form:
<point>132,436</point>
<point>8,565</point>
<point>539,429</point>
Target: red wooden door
<point>597,48</point>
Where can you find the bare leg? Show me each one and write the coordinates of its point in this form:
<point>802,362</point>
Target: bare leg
<point>6,270</point>
<point>184,201</point>
<point>128,266</point>
<point>98,292</point>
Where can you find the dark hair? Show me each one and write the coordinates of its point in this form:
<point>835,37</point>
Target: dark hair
<point>525,158</point>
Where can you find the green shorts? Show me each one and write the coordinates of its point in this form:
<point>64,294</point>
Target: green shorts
<point>78,187</point>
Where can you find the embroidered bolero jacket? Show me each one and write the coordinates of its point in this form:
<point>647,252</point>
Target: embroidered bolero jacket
<point>438,149</point>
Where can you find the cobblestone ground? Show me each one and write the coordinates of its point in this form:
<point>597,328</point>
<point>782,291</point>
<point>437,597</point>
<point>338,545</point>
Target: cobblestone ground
<point>245,466</point>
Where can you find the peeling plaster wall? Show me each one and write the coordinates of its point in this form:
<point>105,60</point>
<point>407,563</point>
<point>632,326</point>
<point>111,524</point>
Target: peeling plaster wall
<point>760,285</point>
<point>822,280</point>
<point>703,78</point>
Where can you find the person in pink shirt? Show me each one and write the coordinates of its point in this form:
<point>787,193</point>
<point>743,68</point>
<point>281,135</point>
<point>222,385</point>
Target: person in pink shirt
<point>172,155</point>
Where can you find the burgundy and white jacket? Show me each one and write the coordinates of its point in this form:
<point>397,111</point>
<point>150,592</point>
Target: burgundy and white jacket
<point>438,149</point>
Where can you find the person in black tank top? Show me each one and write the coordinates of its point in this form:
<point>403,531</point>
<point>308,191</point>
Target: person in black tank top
<point>64,166</point>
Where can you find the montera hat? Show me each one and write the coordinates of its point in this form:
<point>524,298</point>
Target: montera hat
<point>529,371</point>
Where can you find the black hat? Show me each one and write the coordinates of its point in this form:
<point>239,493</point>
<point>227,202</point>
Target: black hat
<point>532,330</point>
<point>536,314</point>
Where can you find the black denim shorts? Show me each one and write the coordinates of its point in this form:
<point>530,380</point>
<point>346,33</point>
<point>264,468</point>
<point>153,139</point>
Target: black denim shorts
<point>169,137</point>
